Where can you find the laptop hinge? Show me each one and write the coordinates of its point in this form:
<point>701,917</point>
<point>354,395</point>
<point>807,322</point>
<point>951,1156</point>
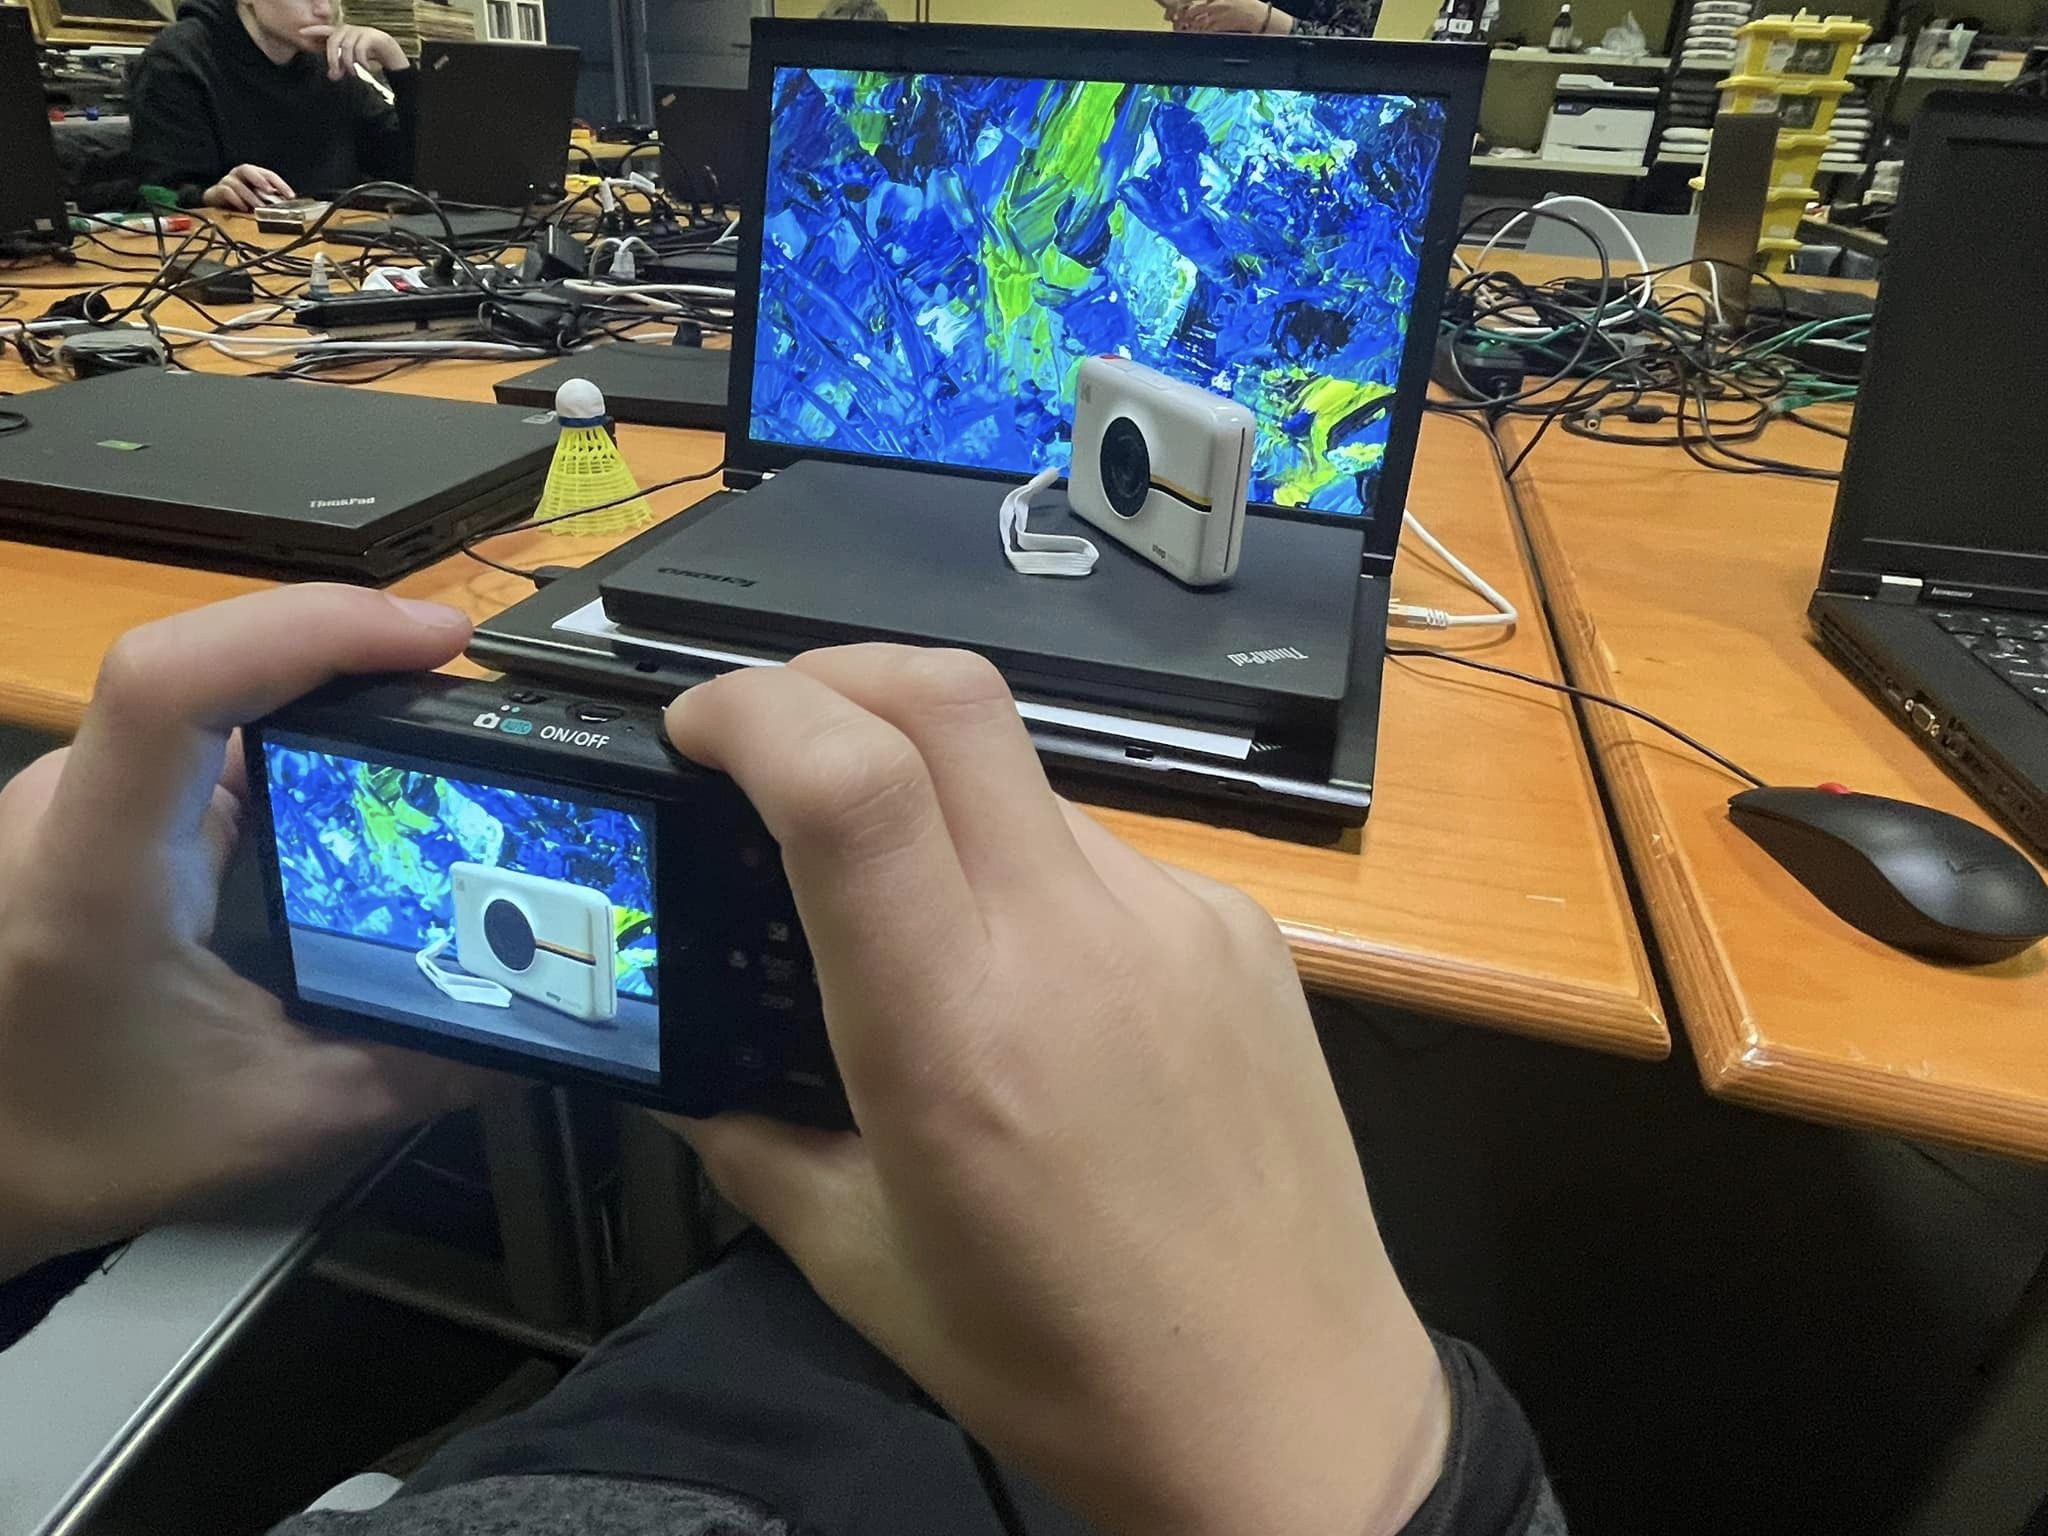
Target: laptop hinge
<point>1899,589</point>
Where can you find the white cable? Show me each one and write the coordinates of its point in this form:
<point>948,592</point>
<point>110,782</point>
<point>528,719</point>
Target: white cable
<point>1417,616</point>
<point>687,290</point>
<point>255,347</point>
<point>1645,295</point>
<point>1039,554</point>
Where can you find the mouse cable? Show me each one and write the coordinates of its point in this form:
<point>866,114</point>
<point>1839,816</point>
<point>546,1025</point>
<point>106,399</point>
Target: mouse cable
<point>1588,695</point>
<point>468,545</point>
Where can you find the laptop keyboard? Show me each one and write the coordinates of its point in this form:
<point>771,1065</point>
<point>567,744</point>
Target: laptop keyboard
<point>2014,645</point>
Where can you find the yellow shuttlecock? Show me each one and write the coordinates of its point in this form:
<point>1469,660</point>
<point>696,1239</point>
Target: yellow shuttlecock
<point>587,470</point>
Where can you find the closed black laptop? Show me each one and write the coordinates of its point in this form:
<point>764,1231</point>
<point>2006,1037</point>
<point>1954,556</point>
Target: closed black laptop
<point>1934,595</point>
<point>650,382</point>
<point>266,475</point>
<point>786,566</point>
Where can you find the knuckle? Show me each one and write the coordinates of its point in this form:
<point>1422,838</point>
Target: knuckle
<point>127,672</point>
<point>859,785</point>
<point>949,682</point>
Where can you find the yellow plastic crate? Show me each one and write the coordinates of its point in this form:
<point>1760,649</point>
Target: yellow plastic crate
<point>1805,105</point>
<point>1797,159</point>
<point>1774,255</point>
<point>1784,207</point>
<point>1802,44</point>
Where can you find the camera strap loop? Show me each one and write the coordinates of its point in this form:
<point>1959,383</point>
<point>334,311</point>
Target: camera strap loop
<point>1039,554</point>
<point>456,985</point>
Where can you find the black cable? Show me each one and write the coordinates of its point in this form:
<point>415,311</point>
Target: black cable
<point>1473,283</point>
<point>1726,763</point>
<point>468,545</point>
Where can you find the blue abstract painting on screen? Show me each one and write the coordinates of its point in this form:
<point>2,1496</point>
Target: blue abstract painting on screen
<point>365,849</point>
<point>939,252</point>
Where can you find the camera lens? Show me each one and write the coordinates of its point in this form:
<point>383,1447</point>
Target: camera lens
<point>509,934</point>
<point>1126,467</point>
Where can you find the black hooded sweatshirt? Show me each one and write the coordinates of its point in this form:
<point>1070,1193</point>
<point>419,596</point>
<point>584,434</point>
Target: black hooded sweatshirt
<point>205,99</point>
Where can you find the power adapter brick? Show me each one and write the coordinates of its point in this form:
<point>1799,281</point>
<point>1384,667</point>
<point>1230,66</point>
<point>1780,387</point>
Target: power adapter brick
<point>210,282</point>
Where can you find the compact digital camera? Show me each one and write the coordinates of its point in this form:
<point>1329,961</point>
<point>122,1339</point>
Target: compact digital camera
<point>1162,467</point>
<point>533,879</point>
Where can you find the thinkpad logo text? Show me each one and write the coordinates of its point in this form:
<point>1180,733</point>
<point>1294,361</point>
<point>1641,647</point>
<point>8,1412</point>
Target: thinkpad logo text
<point>1265,658</point>
<point>342,501</point>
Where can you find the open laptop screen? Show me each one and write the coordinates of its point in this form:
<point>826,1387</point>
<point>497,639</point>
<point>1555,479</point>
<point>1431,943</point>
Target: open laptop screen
<point>939,251</point>
<point>1943,475</point>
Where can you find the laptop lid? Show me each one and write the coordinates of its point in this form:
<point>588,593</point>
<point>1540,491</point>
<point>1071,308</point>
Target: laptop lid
<point>1943,481</point>
<point>494,122</point>
<point>949,218</point>
<point>704,143</point>
<point>31,193</point>
<point>165,455</point>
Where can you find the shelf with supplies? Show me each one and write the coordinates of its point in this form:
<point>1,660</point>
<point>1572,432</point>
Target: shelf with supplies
<point>1559,167</point>
<point>1589,61</point>
<point>1682,157</point>
<point>2002,75</point>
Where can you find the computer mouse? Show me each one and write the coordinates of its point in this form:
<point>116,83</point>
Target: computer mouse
<point>1908,875</point>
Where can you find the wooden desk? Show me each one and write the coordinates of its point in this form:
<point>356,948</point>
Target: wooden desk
<point>1683,590</point>
<point>1485,887</point>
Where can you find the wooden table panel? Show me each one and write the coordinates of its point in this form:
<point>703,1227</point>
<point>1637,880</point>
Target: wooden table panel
<point>1683,590</point>
<point>1485,887</point>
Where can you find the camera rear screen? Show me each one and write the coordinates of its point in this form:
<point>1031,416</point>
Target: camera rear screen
<point>500,911</point>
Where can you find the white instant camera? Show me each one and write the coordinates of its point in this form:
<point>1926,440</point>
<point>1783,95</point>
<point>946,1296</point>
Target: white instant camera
<point>1162,468</point>
<point>543,939</point>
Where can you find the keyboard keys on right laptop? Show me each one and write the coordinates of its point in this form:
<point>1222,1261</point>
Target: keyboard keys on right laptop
<point>2012,645</point>
<point>1962,623</point>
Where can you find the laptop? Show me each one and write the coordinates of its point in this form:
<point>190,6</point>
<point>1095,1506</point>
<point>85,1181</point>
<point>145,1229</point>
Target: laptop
<point>960,214</point>
<point>704,143</point>
<point>351,484</point>
<point>1934,592</point>
<point>492,133</point>
<point>32,214</point>
<point>657,384</point>
<point>770,572</point>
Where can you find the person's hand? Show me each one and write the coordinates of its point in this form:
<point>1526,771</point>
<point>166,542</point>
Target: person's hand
<point>247,188</point>
<point>348,45</point>
<point>1103,1204</point>
<point>138,1073</point>
<point>1231,16</point>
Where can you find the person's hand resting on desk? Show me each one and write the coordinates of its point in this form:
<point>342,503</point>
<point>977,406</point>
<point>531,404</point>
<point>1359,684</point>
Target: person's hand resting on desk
<point>247,188</point>
<point>1104,1205</point>
<point>137,1071</point>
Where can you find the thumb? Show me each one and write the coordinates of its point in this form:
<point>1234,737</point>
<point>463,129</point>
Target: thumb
<point>806,1188</point>
<point>153,742</point>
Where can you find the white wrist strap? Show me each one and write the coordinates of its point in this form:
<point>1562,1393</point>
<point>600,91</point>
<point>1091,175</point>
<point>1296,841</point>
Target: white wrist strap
<point>1039,554</point>
<point>454,984</point>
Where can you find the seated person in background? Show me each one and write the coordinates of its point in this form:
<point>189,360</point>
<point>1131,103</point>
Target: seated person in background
<point>1104,1214</point>
<point>853,10</point>
<point>1280,18</point>
<point>239,104</point>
